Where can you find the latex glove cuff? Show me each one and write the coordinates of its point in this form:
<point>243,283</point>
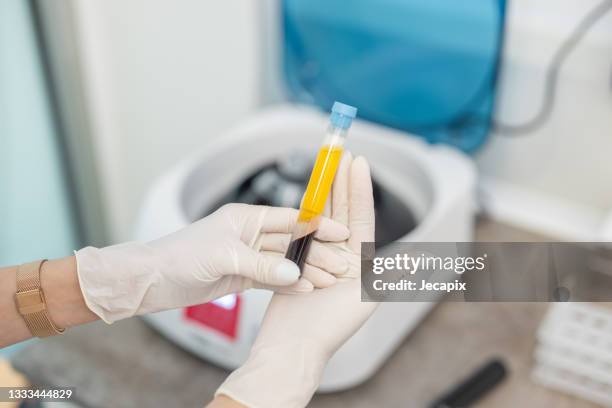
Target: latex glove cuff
<point>296,371</point>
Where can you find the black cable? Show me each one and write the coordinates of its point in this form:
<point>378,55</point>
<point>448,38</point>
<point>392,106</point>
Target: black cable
<point>552,74</point>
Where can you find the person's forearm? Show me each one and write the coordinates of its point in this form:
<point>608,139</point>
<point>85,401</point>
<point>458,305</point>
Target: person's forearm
<point>65,304</point>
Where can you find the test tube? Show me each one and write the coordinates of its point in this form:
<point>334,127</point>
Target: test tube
<point>320,182</point>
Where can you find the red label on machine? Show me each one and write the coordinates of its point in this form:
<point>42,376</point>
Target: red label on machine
<point>220,315</point>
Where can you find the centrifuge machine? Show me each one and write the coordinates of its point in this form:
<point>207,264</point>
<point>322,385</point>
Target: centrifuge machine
<point>423,79</point>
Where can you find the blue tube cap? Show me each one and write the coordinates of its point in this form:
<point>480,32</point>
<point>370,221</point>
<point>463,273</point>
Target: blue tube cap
<point>342,115</point>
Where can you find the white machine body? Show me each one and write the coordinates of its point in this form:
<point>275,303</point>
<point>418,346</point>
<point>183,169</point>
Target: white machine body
<point>436,182</point>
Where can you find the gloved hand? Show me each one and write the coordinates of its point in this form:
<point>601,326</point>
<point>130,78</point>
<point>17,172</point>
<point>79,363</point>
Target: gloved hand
<point>300,333</point>
<point>229,251</point>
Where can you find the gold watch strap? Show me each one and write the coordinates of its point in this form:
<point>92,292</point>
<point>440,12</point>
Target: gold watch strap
<point>31,303</point>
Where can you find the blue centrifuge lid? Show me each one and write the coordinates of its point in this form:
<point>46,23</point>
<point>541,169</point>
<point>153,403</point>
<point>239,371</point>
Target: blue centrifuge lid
<point>427,67</point>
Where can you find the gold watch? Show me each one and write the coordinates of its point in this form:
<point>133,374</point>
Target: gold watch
<point>30,300</point>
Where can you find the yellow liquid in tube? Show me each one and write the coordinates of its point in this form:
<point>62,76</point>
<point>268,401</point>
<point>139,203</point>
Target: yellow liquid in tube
<point>319,185</point>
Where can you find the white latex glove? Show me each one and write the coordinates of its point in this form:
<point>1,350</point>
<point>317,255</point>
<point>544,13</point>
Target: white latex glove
<point>300,333</point>
<point>229,251</point>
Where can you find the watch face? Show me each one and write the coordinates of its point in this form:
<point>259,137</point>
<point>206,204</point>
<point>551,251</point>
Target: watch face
<point>30,301</point>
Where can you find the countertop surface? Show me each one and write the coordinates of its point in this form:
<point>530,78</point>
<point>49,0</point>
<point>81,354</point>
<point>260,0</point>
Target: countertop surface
<point>452,342</point>
<point>130,365</point>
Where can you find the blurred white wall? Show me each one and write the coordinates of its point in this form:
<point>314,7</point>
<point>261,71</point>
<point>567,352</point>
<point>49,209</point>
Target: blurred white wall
<point>558,177</point>
<point>163,78</point>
